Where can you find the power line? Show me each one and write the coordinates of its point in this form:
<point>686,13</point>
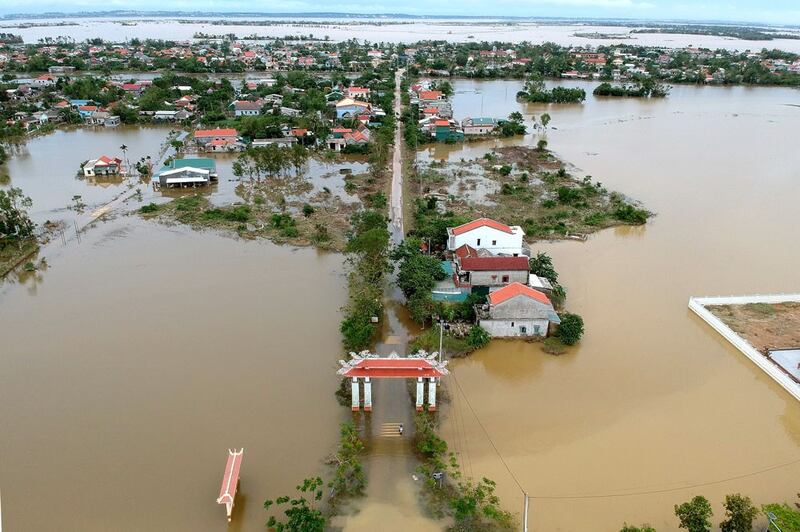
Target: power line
<point>668,490</point>
<point>452,374</point>
<point>614,495</point>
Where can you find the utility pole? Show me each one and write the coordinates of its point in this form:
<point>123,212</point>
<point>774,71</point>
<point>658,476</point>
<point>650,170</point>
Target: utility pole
<point>525,514</point>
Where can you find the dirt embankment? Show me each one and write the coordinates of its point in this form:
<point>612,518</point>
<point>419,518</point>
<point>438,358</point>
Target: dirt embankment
<point>765,326</point>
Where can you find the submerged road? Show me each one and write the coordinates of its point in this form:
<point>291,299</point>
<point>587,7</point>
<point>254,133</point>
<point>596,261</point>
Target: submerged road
<point>396,198</point>
<point>391,503</point>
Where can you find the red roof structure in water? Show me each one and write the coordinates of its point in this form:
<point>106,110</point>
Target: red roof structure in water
<point>231,477</point>
<point>392,367</point>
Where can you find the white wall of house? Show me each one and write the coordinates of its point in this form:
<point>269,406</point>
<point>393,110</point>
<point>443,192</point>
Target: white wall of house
<point>514,328</point>
<point>497,278</point>
<point>490,239</point>
<point>247,112</point>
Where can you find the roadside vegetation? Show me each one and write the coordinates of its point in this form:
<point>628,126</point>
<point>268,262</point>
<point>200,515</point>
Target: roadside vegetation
<point>308,510</point>
<point>448,493</point>
<point>641,88</point>
<point>17,239</point>
<point>696,514</point>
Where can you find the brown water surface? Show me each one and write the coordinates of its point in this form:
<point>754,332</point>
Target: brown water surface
<point>652,399</point>
<point>131,365</point>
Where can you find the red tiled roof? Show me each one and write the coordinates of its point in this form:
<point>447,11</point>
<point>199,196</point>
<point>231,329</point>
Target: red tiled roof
<point>430,110</point>
<point>465,250</point>
<point>342,130</point>
<point>398,368</point>
<point>230,478</point>
<point>494,264</point>
<point>219,132</point>
<point>514,290</point>
<point>441,123</point>
<point>430,95</point>
<point>481,222</point>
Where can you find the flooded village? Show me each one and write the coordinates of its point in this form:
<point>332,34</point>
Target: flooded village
<point>424,285</point>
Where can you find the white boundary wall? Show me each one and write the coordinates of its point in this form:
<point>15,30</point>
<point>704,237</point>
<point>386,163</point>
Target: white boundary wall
<point>698,306</point>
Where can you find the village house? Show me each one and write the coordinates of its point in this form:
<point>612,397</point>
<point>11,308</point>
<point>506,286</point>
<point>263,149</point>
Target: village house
<point>485,233</point>
<point>479,126</point>
<point>349,108</point>
<point>479,268</point>
<point>102,166</point>
<point>189,172</point>
<point>247,108</point>
<point>218,140</point>
<point>517,310</point>
<point>357,93</point>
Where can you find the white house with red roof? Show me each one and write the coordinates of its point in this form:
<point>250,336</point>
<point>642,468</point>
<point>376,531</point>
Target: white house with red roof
<point>517,310</point>
<point>493,236</point>
<point>102,166</point>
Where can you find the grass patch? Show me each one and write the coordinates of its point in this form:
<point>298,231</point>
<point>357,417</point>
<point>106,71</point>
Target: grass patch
<point>13,253</point>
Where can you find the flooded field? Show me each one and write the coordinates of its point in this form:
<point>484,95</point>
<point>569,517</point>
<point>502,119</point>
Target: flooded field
<point>387,31</point>
<point>653,406</point>
<point>143,354</point>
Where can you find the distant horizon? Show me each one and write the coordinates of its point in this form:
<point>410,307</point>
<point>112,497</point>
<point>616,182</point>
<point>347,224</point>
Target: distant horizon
<point>593,18</point>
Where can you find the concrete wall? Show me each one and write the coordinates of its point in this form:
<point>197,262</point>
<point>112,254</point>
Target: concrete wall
<point>496,278</point>
<point>520,307</point>
<point>512,328</point>
<point>698,306</point>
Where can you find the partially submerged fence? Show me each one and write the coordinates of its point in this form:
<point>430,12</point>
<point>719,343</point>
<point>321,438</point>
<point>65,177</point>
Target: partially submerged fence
<point>698,306</point>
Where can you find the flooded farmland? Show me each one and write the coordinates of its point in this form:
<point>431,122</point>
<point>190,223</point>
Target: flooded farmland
<point>145,350</point>
<point>652,402</point>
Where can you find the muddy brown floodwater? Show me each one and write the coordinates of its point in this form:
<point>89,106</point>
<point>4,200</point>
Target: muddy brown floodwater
<point>652,401</point>
<point>145,352</point>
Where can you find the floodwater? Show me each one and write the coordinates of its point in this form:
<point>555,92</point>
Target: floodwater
<point>47,168</point>
<point>388,30</point>
<point>144,353</point>
<point>652,407</point>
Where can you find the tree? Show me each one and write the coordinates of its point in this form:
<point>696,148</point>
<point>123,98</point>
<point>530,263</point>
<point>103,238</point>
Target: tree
<point>545,119</point>
<point>739,514</point>
<point>542,265</point>
<point>419,273</point>
<point>301,515</point>
<point>541,145</point>
<point>571,328</point>
<point>15,224</point>
<point>695,515</point>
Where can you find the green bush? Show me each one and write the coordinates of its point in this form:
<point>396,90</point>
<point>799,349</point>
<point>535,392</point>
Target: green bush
<point>631,528</point>
<point>553,346</point>
<point>570,330</point>
<point>478,337</point>
<point>787,518</point>
<point>695,515</point>
<point>308,210</point>
<point>149,208</point>
<point>630,214</point>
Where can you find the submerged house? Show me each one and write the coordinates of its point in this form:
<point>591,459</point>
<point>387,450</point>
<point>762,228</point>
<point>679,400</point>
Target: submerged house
<point>190,172</point>
<point>102,166</point>
<point>218,140</point>
<point>485,233</point>
<point>517,310</point>
<point>479,126</point>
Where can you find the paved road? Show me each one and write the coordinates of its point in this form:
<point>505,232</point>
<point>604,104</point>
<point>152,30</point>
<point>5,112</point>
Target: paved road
<point>396,201</point>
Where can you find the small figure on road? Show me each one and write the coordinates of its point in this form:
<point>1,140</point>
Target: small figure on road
<point>400,429</point>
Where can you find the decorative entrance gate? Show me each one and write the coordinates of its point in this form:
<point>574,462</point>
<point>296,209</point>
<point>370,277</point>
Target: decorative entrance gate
<point>422,366</point>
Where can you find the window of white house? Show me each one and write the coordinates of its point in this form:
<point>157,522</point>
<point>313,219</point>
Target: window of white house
<point>479,242</point>
<point>505,278</point>
<point>494,242</point>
